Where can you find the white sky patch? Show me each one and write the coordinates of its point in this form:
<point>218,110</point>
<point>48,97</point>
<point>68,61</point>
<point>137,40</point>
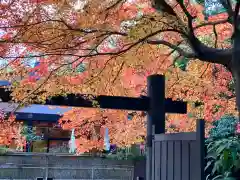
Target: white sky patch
<point>111,42</point>
<point>3,62</point>
<point>131,1</point>
<point>30,62</point>
<point>3,22</point>
<point>184,47</point>
<point>51,9</point>
<point>17,50</point>
<point>79,5</point>
<point>126,25</point>
<point>5,2</point>
<point>2,32</point>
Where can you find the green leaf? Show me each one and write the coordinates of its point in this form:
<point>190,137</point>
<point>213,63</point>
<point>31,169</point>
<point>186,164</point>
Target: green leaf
<point>181,63</point>
<point>190,115</point>
<point>225,155</point>
<point>211,156</point>
<point>217,177</point>
<point>223,127</point>
<point>208,176</point>
<point>229,178</point>
<point>80,68</point>
<point>234,155</point>
<point>209,163</point>
<point>216,166</point>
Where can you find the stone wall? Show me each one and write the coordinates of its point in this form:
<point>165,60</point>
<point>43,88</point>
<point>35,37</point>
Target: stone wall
<point>30,166</point>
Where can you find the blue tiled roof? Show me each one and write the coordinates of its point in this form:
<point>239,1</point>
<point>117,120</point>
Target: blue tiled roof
<point>44,109</point>
<point>4,83</point>
<point>36,112</point>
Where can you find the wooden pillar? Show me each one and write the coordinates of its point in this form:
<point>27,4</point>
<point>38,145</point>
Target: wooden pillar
<point>200,130</point>
<point>156,94</point>
<point>156,116</point>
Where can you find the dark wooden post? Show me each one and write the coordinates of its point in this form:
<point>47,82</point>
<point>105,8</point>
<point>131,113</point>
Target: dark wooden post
<point>156,94</point>
<point>201,143</point>
<point>156,115</point>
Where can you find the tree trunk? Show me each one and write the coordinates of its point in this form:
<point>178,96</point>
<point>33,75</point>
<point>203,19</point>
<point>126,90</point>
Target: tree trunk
<point>236,66</point>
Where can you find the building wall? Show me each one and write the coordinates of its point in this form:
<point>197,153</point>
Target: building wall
<point>25,166</point>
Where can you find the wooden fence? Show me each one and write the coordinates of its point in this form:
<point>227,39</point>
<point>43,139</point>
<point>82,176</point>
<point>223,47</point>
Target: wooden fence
<point>179,156</point>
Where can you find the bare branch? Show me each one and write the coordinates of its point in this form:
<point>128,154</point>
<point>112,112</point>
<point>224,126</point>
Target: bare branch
<point>119,71</point>
<point>203,52</point>
<point>228,6</point>
<point>181,3</point>
<point>163,6</point>
<point>235,18</point>
<point>172,46</point>
<point>205,70</point>
<point>86,30</point>
<point>115,4</point>
<point>216,36</point>
<point>211,23</point>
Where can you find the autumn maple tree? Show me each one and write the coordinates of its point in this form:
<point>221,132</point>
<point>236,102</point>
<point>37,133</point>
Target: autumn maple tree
<point>105,47</point>
<point>11,131</point>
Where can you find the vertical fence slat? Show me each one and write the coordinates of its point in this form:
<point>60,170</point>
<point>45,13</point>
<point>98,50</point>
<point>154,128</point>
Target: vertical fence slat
<point>153,159</point>
<point>194,160</point>
<point>170,162</point>
<point>157,160</point>
<point>180,156</point>
<point>177,161</point>
<point>164,161</point>
<point>92,173</point>
<point>185,160</point>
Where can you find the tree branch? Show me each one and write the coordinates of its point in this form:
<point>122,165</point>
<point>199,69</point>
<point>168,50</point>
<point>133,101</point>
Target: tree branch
<point>228,6</point>
<point>172,46</point>
<point>61,21</point>
<point>211,23</point>
<point>235,18</point>
<point>203,52</point>
<point>115,4</point>
<point>216,36</point>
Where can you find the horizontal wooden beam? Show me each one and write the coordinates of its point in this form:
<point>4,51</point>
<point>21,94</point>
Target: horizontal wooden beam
<point>109,102</point>
<point>117,102</point>
<point>182,136</point>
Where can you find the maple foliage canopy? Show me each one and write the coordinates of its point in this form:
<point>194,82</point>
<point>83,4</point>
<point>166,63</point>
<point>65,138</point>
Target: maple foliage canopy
<point>107,47</point>
<point>11,131</point>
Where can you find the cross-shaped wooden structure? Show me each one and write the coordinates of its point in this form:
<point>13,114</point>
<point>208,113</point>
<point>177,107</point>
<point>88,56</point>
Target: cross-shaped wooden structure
<point>154,104</point>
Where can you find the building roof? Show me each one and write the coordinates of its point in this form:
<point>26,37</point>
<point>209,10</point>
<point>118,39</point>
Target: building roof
<point>4,83</point>
<point>35,112</point>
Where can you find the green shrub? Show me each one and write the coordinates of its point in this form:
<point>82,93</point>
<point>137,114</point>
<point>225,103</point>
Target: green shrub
<point>223,155</point>
<point>3,150</point>
<point>224,127</point>
<point>131,153</point>
<point>223,149</point>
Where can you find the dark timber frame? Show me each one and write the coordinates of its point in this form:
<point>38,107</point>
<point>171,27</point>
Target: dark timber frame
<point>156,106</point>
